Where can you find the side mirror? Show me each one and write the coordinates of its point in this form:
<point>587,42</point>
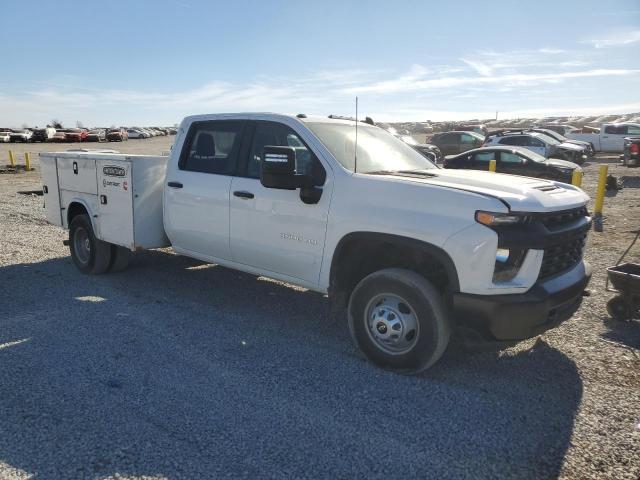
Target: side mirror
<point>279,171</point>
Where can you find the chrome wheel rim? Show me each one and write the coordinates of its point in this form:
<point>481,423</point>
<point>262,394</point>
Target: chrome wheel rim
<point>392,323</point>
<point>82,245</point>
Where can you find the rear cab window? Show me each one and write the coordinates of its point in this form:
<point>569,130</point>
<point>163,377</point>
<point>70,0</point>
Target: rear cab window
<point>212,147</point>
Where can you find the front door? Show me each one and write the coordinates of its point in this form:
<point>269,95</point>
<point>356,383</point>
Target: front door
<point>196,199</point>
<point>271,229</point>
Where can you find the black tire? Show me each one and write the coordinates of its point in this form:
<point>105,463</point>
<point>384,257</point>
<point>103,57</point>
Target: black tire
<point>97,257</point>
<point>423,302</point>
<point>617,308</point>
<point>120,258</point>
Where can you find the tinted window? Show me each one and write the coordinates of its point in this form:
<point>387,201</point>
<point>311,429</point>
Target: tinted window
<point>507,157</point>
<point>279,135</point>
<point>616,129</point>
<point>468,139</point>
<point>484,157</point>
<point>514,140</point>
<point>212,147</point>
<point>633,130</point>
<point>534,142</point>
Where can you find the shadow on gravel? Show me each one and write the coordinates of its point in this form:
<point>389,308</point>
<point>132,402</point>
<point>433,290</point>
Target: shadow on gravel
<point>181,370</point>
<point>623,332</point>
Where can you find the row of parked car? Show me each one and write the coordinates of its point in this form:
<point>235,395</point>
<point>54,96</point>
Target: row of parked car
<point>537,152</point>
<point>50,134</point>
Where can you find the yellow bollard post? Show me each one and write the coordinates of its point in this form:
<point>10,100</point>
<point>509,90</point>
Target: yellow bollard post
<point>11,159</point>
<point>492,166</point>
<point>27,162</point>
<point>599,203</point>
<point>576,178</point>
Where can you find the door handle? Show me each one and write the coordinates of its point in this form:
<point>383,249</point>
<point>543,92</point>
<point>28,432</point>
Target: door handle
<point>243,194</point>
<point>174,184</point>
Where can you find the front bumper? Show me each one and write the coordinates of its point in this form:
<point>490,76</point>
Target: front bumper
<point>508,318</point>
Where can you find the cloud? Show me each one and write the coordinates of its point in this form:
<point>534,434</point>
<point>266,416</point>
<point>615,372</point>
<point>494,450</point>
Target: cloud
<point>615,40</point>
<point>482,68</point>
<point>421,84</point>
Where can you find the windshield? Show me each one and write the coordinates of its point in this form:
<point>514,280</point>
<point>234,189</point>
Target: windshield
<point>552,134</point>
<point>378,150</point>
<point>546,138</point>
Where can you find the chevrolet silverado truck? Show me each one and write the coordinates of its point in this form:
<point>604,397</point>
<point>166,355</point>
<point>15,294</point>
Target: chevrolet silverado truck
<point>414,253</point>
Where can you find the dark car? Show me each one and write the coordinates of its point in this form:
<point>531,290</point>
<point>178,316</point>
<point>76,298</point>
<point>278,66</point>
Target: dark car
<point>515,161</point>
<point>96,135</point>
<point>427,150</point>
<point>451,143</point>
<point>631,155</point>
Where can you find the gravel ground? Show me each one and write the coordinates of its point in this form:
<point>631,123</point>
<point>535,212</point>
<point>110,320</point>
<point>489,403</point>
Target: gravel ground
<point>178,369</point>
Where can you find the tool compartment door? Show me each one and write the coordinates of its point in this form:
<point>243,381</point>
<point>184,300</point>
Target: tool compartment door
<point>77,174</point>
<point>115,207</point>
<point>49,171</point>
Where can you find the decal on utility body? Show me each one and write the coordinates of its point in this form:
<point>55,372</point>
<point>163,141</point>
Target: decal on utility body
<point>109,183</point>
<point>113,171</point>
<point>298,238</point>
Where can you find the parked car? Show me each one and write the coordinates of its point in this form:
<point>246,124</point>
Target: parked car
<point>561,129</point>
<point>415,253</point>
<point>59,136</point>
<point>5,136</point>
<point>135,133</point>
<point>589,148</point>
<point>451,143</point>
<point>20,135</point>
<point>514,161</point>
<point>76,134</point>
<point>610,138</point>
<point>43,134</point>
<point>481,129</point>
<point>427,150</point>
<point>96,135</point>
<point>631,157</point>
<point>117,135</point>
<point>537,142</point>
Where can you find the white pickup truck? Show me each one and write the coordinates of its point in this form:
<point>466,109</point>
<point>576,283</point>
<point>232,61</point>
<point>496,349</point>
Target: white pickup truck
<point>610,138</point>
<point>414,252</point>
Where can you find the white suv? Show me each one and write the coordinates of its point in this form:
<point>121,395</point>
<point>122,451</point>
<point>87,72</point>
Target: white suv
<point>540,143</point>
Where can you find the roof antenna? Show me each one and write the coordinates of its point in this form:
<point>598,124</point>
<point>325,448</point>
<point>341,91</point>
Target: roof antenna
<point>355,150</point>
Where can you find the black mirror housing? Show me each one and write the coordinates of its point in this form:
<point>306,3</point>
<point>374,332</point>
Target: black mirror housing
<point>279,169</point>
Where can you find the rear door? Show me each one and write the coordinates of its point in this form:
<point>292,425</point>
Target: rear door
<point>196,200</point>
<point>274,230</point>
<point>467,142</point>
<point>49,172</point>
<point>449,144</point>
<point>511,163</point>
<point>481,160</point>
<point>537,145</point>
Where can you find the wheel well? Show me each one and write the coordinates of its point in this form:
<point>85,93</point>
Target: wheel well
<point>74,209</point>
<point>360,254</point>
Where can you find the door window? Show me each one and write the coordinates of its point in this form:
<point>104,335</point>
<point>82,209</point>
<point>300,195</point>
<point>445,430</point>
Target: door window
<point>534,142</point>
<point>484,157</point>
<point>279,135</point>
<point>633,130</point>
<point>510,158</point>
<point>467,139</point>
<point>616,129</point>
<point>212,147</point>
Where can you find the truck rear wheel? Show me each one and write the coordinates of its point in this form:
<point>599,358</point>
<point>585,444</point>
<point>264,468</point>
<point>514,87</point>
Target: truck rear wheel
<point>398,320</point>
<point>120,258</point>
<point>89,254</point>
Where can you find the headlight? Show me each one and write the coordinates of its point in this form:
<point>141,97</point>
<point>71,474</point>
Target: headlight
<point>491,219</point>
<point>508,263</point>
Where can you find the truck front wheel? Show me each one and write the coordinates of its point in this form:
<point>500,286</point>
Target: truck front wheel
<point>89,254</point>
<point>398,320</point>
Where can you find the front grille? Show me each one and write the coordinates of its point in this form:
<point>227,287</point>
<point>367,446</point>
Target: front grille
<point>563,217</point>
<point>562,257</point>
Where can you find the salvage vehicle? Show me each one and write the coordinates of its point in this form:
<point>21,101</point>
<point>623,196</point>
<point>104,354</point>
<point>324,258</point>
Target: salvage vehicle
<point>96,135</point>
<point>588,147</point>
<point>631,154</point>
<point>414,253</point>
<point>76,134</point>
<point>117,135</point>
<point>5,137</point>
<point>20,135</point>
<point>135,133</point>
<point>59,136</point>
<point>537,142</point>
<point>432,152</point>
<point>514,161</point>
<point>610,138</point>
<point>43,134</point>
<point>451,143</point>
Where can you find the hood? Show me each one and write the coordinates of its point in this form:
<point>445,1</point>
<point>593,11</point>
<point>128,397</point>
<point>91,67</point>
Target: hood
<point>570,146</point>
<point>579,142</point>
<point>520,194</point>
<point>556,162</point>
